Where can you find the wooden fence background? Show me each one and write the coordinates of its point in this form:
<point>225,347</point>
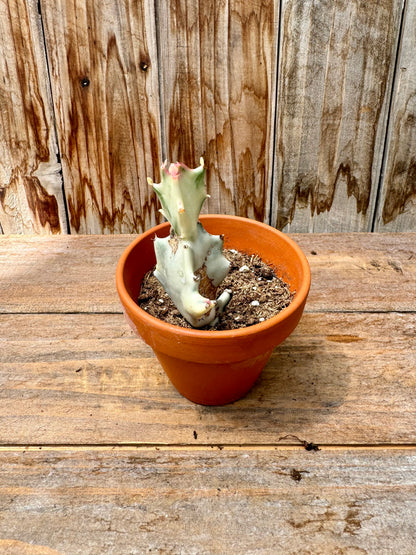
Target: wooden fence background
<point>304,110</point>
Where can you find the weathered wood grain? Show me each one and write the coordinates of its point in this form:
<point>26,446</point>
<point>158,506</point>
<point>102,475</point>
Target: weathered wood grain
<point>353,272</point>
<point>397,208</point>
<point>99,454</point>
<point>181,501</point>
<point>71,274</point>
<point>86,379</point>
<point>361,272</point>
<point>217,76</point>
<point>335,77</point>
<point>31,199</point>
<point>309,162</point>
<point>104,75</point>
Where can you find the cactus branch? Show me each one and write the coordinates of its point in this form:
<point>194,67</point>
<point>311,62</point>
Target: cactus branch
<point>190,263</point>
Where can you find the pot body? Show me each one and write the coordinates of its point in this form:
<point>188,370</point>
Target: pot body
<point>216,367</point>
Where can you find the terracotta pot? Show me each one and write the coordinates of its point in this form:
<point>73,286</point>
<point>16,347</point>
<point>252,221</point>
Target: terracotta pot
<point>216,367</point>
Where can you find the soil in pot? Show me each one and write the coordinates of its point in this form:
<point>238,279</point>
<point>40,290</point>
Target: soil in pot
<point>258,294</point>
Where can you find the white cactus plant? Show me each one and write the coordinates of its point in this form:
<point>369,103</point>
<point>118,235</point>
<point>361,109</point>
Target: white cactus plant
<point>189,262</point>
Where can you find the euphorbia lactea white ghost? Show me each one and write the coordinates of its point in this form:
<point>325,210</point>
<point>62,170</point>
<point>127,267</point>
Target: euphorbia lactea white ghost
<point>189,262</point>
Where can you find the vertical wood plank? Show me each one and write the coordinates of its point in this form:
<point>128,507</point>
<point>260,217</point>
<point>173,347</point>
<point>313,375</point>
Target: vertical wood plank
<point>31,199</point>
<point>218,82</point>
<point>336,68</point>
<point>397,207</point>
<point>103,64</point>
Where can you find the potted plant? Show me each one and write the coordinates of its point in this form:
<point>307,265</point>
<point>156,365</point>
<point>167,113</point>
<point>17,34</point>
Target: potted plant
<point>208,367</point>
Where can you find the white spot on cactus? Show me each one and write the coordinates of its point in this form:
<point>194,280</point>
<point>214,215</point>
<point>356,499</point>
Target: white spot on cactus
<point>244,269</point>
<point>255,303</point>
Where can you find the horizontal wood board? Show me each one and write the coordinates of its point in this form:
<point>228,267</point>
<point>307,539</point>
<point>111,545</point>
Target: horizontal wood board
<point>208,502</point>
<point>87,379</point>
<point>350,272</point>
<point>99,453</point>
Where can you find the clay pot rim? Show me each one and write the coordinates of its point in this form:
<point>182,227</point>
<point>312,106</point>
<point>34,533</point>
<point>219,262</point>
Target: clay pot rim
<point>161,326</point>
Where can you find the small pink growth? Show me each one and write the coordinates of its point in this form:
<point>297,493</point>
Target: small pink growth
<point>174,170</point>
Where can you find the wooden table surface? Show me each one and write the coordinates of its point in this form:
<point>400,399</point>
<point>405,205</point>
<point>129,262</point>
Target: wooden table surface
<point>100,455</point>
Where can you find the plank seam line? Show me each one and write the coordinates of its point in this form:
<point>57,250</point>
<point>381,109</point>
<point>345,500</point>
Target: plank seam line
<point>57,312</point>
<point>273,203</point>
<point>55,126</point>
<point>204,446</point>
<point>393,89</point>
<point>340,311</point>
<point>160,80</point>
<point>109,313</point>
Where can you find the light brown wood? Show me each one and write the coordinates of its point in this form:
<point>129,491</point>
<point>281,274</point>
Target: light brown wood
<point>336,70</point>
<point>31,199</point>
<point>87,379</point>
<point>353,272</point>
<point>71,274</point>
<point>397,209</point>
<point>217,62</point>
<point>104,75</point>
<point>361,272</point>
<point>99,454</point>
<point>290,111</point>
<point>135,501</point>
